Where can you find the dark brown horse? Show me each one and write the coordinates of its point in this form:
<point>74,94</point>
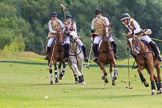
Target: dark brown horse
<point>57,55</point>
<point>106,56</point>
<point>145,59</point>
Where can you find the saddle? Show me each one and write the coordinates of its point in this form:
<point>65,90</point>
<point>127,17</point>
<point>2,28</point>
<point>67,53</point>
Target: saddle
<point>52,45</point>
<point>147,45</point>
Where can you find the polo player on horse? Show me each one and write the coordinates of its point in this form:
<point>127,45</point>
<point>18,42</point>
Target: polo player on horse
<point>134,28</point>
<point>54,25</point>
<point>70,26</point>
<point>100,27</point>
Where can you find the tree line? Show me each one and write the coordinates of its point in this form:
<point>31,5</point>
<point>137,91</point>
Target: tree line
<point>24,23</point>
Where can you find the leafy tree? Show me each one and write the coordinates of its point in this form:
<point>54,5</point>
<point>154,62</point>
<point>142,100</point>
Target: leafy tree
<point>28,19</point>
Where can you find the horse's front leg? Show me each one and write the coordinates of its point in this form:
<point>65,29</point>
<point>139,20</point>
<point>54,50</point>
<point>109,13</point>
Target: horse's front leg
<point>115,69</point>
<point>50,71</point>
<point>79,74</point>
<point>143,80</point>
<point>56,73</point>
<point>159,82</point>
<point>80,67</point>
<point>112,74</point>
<point>61,72</point>
<point>150,71</point>
<point>102,67</point>
<point>74,72</point>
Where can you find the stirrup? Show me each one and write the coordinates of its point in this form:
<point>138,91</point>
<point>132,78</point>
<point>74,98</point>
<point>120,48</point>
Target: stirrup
<point>135,66</point>
<point>159,58</point>
<point>116,56</point>
<point>95,59</point>
<point>46,58</point>
<point>66,59</point>
<point>86,59</point>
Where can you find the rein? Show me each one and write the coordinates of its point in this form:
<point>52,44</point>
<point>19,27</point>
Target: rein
<point>76,54</point>
<point>138,47</point>
<point>107,46</point>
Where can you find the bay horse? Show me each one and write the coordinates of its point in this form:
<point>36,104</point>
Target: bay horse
<point>106,56</point>
<point>145,59</point>
<point>57,55</point>
<point>76,58</point>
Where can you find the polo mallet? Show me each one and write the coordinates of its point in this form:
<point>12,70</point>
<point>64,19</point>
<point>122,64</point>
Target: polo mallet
<point>52,55</point>
<point>64,10</point>
<point>129,83</point>
<point>89,57</point>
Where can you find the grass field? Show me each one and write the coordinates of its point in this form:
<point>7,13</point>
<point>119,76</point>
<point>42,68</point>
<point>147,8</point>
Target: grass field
<point>25,86</point>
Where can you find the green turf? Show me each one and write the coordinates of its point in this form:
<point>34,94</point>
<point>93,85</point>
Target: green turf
<point>25,86</point>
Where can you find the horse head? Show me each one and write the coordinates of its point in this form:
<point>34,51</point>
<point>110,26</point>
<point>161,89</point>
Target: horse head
<point>73,36</point>
<point>136,48</point>
<point>134,44</point>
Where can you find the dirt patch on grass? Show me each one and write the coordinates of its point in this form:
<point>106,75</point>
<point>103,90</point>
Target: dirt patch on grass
<point>28,54</point>
<point>20,54</point>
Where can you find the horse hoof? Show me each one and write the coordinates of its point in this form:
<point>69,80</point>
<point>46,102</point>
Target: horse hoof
<point>95,59</point>
<point>159,91</point>
<point>51,82</point>
<point>76,82</point>
<point>79,81</point>
<point>56,80</point>
<point>146,84</point>
<point>113,82</point>
<point>115,78</point>
<point>106,80</point>
<point>83,83</point>
<point>115,75</point>
<point>103,78</point>
<point>60,76</point>
<point>153,92</point>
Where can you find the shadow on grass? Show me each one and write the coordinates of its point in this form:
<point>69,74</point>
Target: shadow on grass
<point>54,84</point>
<point>129,96</point>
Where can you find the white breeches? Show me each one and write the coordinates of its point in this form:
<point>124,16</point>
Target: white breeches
<point>146,38</point>
<point>79,42</point>
<point>97,39</point>
<point>67,40</point>
<point>111,39</point>
<point>50,40</point>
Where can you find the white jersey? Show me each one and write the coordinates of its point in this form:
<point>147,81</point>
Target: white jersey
<point>98,38</point>
<point>54,22</point>
<point>106,22</point>
<point>134,28</point>
<point>71,27</point>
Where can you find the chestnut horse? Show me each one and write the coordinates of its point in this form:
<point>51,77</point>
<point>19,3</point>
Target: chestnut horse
<point>145,59</point>
<point>106,56</point>
<point>57,55</point>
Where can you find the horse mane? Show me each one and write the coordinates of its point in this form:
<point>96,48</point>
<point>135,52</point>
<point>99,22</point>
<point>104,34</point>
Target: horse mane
<point>74,48</point>
<point>105,52</point>
<point>105,46</point>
